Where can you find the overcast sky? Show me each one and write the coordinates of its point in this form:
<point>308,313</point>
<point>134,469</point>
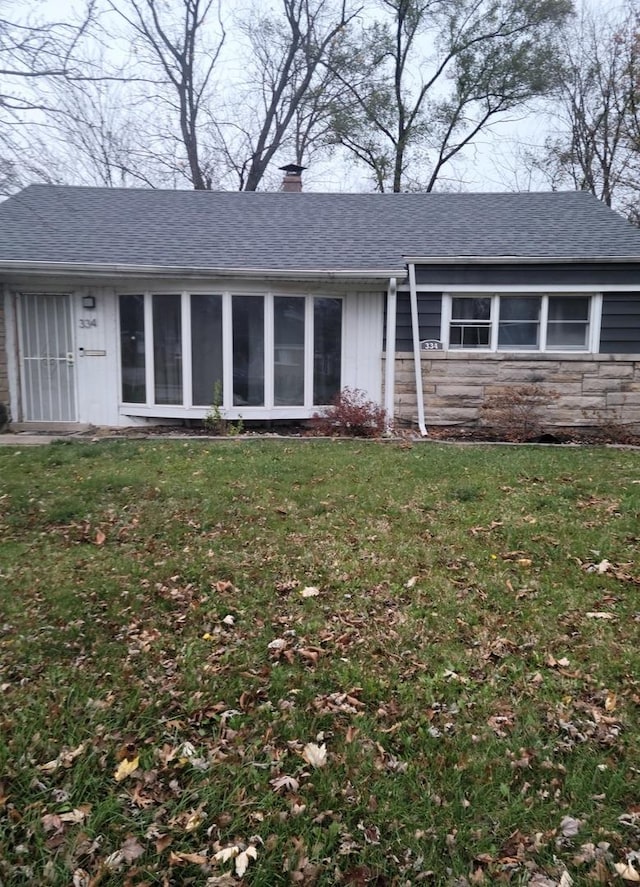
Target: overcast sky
<point>491,163</point>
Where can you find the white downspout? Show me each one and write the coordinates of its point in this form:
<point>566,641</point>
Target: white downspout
<point>417,358</point>
<point>390,362</point>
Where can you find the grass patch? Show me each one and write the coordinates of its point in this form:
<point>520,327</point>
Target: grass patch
<point>456,629</point>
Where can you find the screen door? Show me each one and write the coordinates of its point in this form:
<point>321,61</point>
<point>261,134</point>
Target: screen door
<point>47,358</point>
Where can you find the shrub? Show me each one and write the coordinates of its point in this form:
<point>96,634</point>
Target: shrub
<point>351,415</point>
<point>215,420</point>
<point>516,412</point>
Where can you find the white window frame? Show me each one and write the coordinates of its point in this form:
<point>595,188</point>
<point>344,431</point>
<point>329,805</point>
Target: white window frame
<point>593,321</point>
<point>266,410</point>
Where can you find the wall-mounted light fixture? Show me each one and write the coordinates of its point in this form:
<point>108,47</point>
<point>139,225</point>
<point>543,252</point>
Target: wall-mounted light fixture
<point>89,302</point>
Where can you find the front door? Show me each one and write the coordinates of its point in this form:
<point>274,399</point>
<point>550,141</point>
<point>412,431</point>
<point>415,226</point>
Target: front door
<point>47,358</point>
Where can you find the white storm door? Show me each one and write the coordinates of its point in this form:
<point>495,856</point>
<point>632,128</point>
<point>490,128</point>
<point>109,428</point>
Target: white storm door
<point>47,358</point>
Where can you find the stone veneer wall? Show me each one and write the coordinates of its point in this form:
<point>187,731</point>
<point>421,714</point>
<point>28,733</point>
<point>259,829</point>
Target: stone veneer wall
<point>597,390</point>
<point>4,377</point>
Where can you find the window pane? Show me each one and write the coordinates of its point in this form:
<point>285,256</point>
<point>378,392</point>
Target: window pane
<point>167,349</point>
<point>471,309</point>
<point>132,349</point>
<point>566,308</point>
<point>567,335</point>
<point>288,371</point>
<point>248,351</point>
<point>327,349</point>
<point>519,326</point>
<point>469,336</point>
<point>520,308</point>
<point>519,335</point>
<point>206,348</point>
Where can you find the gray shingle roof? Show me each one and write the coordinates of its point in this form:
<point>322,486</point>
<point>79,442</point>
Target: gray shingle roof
<point>308,231</point>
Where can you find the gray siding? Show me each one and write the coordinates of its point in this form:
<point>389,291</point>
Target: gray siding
<point>620,330</point>
<point>566,274</point>
<point>429,311</point>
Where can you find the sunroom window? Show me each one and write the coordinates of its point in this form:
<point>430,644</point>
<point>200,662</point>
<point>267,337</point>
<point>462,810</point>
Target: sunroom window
<point>520,322</point>
<point>252,352</point>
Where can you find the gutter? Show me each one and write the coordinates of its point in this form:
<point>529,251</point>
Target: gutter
<point>116,269</point>
<point>417,358</point>
<point>519,260</point>
<point>390,362</point>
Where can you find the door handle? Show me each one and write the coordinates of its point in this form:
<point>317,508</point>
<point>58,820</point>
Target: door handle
<point>70,359</point>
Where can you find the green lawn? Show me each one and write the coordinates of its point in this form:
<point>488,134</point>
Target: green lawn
<point>324,662</point>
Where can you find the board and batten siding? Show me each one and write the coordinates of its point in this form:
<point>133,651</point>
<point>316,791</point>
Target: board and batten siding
<point>4,371</point>
<point>620,327</point>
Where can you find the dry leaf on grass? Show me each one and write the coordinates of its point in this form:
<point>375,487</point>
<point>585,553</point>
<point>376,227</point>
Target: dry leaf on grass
<point>284,783</point>
<point>125,768</point>
<point>178,858</point>
<point>627,872</point>
<point>315,755</point>
<point>242,857</point>
<point>64,759</point>
<point>569,826</point>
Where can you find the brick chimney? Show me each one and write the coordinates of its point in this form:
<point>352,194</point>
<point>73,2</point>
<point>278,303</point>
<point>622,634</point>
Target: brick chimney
<point>292,180</point>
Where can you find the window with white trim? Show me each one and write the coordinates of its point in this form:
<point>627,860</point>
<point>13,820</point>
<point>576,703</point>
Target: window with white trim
<point>550,322</point>
<point>269,351</point>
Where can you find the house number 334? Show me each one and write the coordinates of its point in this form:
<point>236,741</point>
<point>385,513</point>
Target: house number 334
<point>87,322</point>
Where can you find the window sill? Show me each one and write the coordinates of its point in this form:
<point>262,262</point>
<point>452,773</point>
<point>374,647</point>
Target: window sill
<point>519,355</point>
<point>233,413</point>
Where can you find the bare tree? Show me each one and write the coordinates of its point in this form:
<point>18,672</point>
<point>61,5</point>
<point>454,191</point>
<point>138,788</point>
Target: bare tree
<point>287,97</point>
<point>178,44</point>
<point>595,115</point>
<point>432,74</point>
<point>33,52</point>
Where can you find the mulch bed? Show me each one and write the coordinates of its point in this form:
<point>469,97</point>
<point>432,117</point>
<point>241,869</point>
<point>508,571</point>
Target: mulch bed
<point>598,436</point>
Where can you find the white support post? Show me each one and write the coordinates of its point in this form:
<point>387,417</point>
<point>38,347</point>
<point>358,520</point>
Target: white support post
<point>390,362</point>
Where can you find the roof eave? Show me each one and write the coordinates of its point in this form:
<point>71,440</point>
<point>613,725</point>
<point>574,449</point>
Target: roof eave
<point>518,260</point>
<point>189,271</point>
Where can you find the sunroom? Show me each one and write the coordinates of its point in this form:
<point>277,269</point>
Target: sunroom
<point>253,355</point>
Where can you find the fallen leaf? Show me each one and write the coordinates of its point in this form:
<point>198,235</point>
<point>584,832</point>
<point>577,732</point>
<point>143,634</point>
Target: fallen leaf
<point>627,872</point>
<point>78,814</point>
<point>243,859</point>
<point>411,582</point>
<point>125,768</point>
<point>131,849</point>
<point>610,702</point>
<point>284,783</point>
<point>598,614</point>
<point>177,858</point>
<point>569,826</point>
<point>227,853</point>
<point>100,538</point>
<point>194,821</point>
<point>315,755</point>
<point>162,842</point>
<point>64,759</point>
<point>310,591</point>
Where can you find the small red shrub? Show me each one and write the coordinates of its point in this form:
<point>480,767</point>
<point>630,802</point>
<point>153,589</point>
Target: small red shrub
<point>351,415</point>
